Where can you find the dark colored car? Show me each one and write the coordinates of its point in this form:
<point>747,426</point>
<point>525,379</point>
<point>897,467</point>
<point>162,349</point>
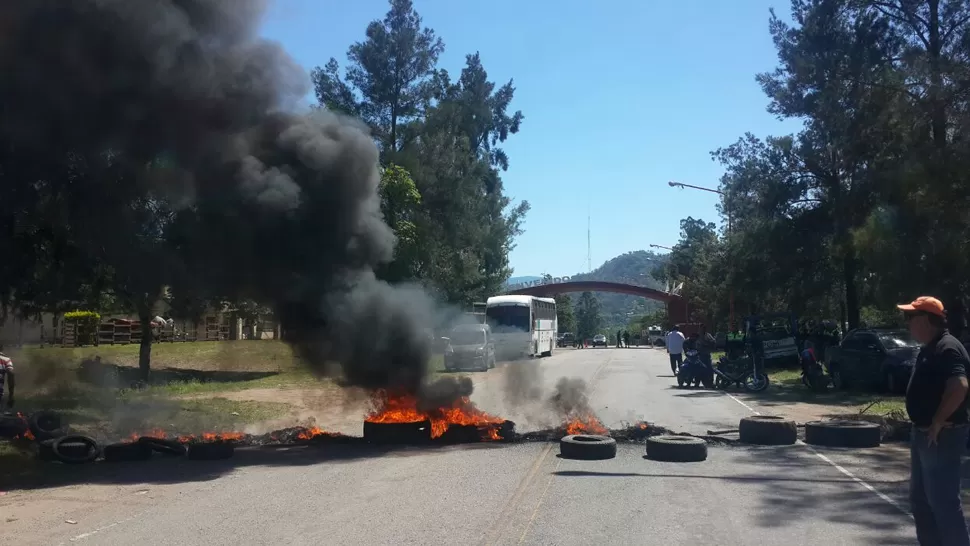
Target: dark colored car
<point>873,359</point>
<point>566,340</point>
<point>599,340</point>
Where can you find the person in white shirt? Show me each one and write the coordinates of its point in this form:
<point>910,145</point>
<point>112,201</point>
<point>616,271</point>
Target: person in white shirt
<point>675,348</point>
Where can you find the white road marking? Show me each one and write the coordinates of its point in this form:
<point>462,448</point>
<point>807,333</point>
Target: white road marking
<point>83,536</point>
<point>835,465</point>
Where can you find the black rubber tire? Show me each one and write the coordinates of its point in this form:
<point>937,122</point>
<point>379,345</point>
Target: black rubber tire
<point>210,451</point>
<point>163,446</point>
<point>756,382</point>
<point>76,449</point>
<point>46,425</point>
<point>45,450</point>
<point>12,426</point>
<point>126,451</point>
<point>397,433</point>
<point>677,449</point>
<point>768,430</point>
<point>843,433</point>
<point>587,447</point>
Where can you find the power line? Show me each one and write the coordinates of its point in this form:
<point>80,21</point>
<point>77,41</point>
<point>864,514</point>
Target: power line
<point>589,245</point>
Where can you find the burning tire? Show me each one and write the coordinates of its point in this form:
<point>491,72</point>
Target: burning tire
<point>418,432</point>
<point>587,447</point>
<point>46,425</point>
<point>678,449</point>
<point>839,433</point>
<point>12,426</point>
<point>163,446</point>
<point>768,430</point>
<point>75,449</point>
<point>127,451</point>
<point>210,451</point>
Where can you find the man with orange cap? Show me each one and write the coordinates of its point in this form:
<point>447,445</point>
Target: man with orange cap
<point>936,400</point>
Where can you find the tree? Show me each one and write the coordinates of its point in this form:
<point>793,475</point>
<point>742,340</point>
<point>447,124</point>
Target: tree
<point>588,319</point>
<point>391,70</point>
<point>565,317</point>
<point>400,200</point>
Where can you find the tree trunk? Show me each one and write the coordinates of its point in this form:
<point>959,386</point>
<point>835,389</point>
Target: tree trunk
<point>145,347</point>
<point>849,267</point>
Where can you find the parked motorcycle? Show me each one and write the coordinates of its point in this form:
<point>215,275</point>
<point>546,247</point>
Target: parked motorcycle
<point>694,372</point>
<point>742,372</point>
<point>813,375</point>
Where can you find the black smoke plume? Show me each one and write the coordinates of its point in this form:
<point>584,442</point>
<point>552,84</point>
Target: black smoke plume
<point>183,102</point>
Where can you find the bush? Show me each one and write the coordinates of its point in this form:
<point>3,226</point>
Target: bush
<point>82,316</point>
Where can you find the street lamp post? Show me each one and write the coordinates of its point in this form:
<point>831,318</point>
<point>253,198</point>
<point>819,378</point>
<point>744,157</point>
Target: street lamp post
<point>681,185</point>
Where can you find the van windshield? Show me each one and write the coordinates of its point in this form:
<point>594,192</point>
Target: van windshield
<point>509,317</point>
<point>468,337</point>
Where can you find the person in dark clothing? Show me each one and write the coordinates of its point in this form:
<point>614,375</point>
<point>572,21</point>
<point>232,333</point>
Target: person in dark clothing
<point>618,335</point>
<point>626,338</point>
<point>936,400</point>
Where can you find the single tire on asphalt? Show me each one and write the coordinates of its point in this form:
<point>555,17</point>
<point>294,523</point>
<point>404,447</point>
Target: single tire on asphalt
<point>76,449</point>
<point>843,433</point>
<point>46,425</point>
<point>587,447</point>
<point>768,430</point>
<point>126,451</point>
<point>163,446</point>
<point>677,449</point>
<point>211,451</point>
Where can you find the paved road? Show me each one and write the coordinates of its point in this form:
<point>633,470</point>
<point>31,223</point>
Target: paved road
<point>491,494</point>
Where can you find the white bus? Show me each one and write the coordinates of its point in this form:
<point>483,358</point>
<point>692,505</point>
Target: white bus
<point>522,325</point>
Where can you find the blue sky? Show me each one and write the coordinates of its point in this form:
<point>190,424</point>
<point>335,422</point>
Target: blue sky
<point>619,97</point>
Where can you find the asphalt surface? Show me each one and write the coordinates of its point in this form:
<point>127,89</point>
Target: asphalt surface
<point>502,494</point>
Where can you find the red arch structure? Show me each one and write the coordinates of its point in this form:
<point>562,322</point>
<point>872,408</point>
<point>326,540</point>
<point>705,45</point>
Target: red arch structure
<point>676,305</point>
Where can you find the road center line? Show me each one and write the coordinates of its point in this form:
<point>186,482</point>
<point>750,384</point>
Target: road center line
<point>835,465</point>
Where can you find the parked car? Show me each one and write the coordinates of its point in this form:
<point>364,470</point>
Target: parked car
<point>566,339</point>
<point>873,359</point>
<point>599,340</point>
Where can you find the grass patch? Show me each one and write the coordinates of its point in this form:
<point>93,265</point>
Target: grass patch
<point>248,355</point>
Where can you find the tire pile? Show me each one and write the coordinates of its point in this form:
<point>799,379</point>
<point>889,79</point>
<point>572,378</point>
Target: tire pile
<point>53,442</point>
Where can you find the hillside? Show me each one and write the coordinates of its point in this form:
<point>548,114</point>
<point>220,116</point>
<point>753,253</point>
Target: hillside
<point>632,268</point>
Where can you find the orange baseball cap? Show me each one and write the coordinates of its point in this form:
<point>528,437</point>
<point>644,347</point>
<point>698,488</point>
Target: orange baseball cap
<point>925,304</point>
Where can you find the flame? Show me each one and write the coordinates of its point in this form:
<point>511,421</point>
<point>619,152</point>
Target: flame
<point>312,432</point>
<point>403,408</point>
<point>28,435</point>
<point>184,439</point>
<point>586,424</point>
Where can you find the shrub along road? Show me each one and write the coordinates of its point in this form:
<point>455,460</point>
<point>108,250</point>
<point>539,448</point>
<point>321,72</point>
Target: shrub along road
<point>489,493</point>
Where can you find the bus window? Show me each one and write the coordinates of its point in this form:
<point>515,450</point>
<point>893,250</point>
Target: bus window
<point>509,316</point>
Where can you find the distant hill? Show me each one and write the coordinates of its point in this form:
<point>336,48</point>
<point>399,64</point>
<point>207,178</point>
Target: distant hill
<point>631,268</point>
<point>517,280</point>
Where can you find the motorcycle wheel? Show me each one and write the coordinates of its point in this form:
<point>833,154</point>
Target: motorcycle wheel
<point>721,383</point>
<point>756,382</point>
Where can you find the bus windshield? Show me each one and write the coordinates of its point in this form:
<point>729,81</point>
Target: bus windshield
<point>505,317</point>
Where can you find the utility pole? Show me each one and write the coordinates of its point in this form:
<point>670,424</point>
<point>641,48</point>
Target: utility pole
<point>589,245</point>
<point>673,184</point>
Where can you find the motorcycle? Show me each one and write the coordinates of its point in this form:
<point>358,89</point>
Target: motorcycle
<point>813,375</point>
<point>730,372</point>
<point>694,372</point>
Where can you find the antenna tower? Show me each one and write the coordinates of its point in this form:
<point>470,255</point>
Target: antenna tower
<point>589,246</point>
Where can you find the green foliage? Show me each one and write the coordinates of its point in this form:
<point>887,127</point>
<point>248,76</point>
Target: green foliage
<point>566,319</point>
<point>589,321</point>
<point>441,189</point>
<point>86,316</point>
<point>630,268</point>
<point>866,205</point>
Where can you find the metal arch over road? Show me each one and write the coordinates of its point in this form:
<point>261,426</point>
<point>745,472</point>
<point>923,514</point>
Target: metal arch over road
<point>676,305</point>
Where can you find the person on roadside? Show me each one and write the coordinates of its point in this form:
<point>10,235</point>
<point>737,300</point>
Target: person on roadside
<point>675,349</point>
<point>6,376</point>
<point>626,338</point>
<point>936,401</point>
